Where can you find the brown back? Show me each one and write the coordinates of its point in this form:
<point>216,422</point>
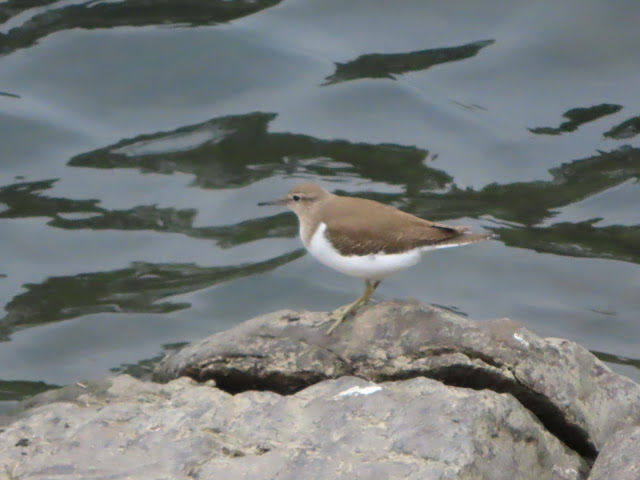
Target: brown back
<point>363,227</point>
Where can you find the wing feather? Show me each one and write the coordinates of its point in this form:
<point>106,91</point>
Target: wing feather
<point>386,230</point>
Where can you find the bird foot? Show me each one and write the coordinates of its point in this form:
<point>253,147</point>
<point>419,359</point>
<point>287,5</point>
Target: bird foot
<point>338,315</point>
<point>341,313</point>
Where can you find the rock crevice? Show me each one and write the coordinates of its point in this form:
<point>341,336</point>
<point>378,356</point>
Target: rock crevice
<point>402,390</point>
<point>395,341</point>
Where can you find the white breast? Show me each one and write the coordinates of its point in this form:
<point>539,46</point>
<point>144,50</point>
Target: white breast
<point>373,267</point>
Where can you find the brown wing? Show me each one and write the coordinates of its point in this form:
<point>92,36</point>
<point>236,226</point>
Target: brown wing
<point>384,230</point>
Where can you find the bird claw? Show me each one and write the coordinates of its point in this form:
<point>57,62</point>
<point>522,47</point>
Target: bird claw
<point>341,313</point>
<point>338,315</point>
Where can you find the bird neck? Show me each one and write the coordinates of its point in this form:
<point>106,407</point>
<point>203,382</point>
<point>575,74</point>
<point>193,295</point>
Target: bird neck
<point>309,222</point>
<point>308,226</point>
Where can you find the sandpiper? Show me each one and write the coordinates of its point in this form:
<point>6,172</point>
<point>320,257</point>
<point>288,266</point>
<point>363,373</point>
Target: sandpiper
<point>364,238</point>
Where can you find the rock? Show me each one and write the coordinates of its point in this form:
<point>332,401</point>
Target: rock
<point>578,398</point>
<point>620,457</point>
<point>400,391</point>
<point>346,428</point>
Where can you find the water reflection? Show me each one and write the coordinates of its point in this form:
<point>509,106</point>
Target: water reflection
<point>529,203</point>
<point>627,129</point>
<point>27,199</point>
<point>10,95</point>
<point>139,288</point>
<point>583,239</point>
<point>11,8</point>
<point>90,15</point>
<point>617,359</point>
<point>236,151</point>
<point>577,117</point>
<point>18,389</point>
<point>144,368</point>
<point>387,65</point>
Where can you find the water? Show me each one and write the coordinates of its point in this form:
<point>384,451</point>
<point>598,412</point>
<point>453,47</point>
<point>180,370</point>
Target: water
<point>136,140</point>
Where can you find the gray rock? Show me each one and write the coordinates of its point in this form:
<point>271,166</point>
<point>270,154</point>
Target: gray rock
<point>620,457</point>
<point>578,398</point>
<point>277,397</point>
<point>346,428</point>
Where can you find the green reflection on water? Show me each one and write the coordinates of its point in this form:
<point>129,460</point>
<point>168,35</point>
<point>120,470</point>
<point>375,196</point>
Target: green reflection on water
<point>577,117</point>
<point>582,239</point>
<point>627,129</point>
<point>90,15</point>
<point>138,288</point>
<point>144,368</point>
<point>27,199</point>
<point>387,65</point>
<point>529,203</point>
<point>617,359</point>
<point>239,150</point>
<point>19,389</point>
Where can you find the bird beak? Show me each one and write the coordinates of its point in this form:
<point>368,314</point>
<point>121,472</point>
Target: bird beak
<point>280,201</point>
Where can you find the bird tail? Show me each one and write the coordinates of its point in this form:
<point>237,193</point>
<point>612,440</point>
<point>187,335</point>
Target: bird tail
<point>464,239</point>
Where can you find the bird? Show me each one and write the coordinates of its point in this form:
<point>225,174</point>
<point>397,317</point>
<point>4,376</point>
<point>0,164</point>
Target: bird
<point>363,238</point>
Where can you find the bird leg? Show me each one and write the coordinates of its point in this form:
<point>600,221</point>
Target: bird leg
<point>343,312</point>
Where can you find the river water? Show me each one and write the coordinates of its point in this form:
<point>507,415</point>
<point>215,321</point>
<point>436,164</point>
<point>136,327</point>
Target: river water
<point>136,140</point>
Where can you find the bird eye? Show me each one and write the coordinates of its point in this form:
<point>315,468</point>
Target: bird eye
<point>296,198</point>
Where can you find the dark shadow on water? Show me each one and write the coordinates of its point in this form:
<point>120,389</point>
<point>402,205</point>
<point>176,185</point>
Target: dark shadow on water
<point>627,129</point>
<point>224,152</point>
<point>144,368</point>
<point>9,95</point>
<point>239,150</point>
<point>582,239</point>
<point>27,199</point>
<point>388,65</point>
<point>139,288</point>
<point>134,13</point>
<point>11,8</point>
<point>617,359</point>
<point>235,151</point>
<point>529,203</point>
<point>577,117</point>
<point>19,389</point>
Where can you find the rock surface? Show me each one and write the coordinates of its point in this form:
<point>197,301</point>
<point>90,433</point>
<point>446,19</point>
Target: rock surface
<point>347,428</point>
<point>576,396</point>
<point>620,457</point>
<point>400,391</point>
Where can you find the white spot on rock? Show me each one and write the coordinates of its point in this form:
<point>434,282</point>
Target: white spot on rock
<point>356,391</point>
<point>521,339</point>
